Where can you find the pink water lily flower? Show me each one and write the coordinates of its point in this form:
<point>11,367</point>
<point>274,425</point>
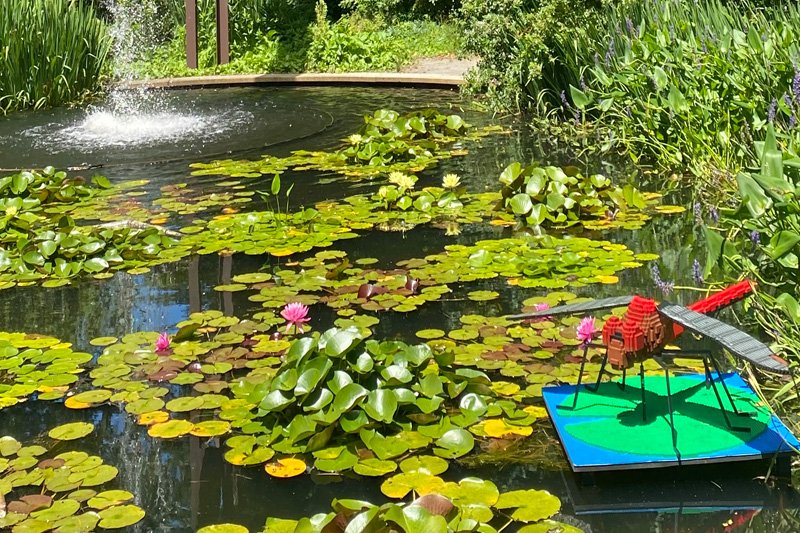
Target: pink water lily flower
<point>586,330</point>
<point>296,314</point>
<point>544,306</point>
<point>162,343</point>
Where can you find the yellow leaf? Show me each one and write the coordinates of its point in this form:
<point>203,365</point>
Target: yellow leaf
<point>608,279</point>
<point>288,467</point>
<point>501,222</point>
<point>537,411</point>
<point>160,220</point>
<point>72,403</point>
<point>153,417</point>
<point>513,281</point>
<point>497,427</point>
<point>283,252</point>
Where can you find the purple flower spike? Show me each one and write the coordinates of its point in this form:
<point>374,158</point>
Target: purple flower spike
<point>755,237</point>
<point>773,108</point>
<point>796,85</point>
<point>697,273</point>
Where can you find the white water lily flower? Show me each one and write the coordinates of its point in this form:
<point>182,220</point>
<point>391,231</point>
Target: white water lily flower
<point>355,138</point>
<point>451,181</point>
<point>402,180</point>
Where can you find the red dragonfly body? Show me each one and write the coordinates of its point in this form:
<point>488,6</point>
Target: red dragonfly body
<point>643,331</point>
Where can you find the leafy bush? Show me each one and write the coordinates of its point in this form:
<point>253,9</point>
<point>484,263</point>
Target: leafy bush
<point>761,239</point>
<point>513,39</point>
<point>403,9</point>
<point>51,52</point>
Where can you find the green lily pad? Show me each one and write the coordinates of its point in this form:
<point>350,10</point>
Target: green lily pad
<point>72,431</point>
<point>120,516</point>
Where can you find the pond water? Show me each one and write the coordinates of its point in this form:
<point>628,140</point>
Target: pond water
<point>185,483</point>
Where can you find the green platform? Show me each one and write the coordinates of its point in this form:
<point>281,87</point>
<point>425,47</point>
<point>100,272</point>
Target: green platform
<point>607,429</point>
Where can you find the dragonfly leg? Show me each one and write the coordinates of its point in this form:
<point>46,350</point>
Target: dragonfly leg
<point>671,417</point>
<point>725,388</point>
<point>644,405</point>
<point>580,379</point>
<point>599,374</point>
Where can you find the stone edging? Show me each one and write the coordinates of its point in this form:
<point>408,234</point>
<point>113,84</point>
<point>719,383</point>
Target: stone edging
<point>412,79</point>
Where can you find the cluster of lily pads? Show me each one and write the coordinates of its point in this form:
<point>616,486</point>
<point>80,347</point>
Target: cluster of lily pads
<point>472,504</point>
<point>43,491</point>
<point>387,142</point>
<point>564,197</point>
<point>40,240</point>
<point>37,364</point>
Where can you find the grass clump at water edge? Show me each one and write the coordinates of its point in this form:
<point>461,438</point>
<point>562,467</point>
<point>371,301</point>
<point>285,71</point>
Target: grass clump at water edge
<point>51,52</point>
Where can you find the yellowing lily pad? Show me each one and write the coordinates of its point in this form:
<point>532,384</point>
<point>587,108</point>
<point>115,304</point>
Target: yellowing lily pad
<point>120,516</point>
<point>498,427</point>
<point>72,431</point>
<point>285,468</point>
<point>211,428</point>
<point>223,528</point>
<point>103,341</point>
<point>171,429</point>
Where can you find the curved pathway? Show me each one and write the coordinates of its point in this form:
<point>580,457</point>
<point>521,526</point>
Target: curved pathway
<point>425,72</point>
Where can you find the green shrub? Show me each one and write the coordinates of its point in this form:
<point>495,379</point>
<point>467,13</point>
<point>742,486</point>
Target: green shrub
<point>514,39</point>
<point>51,52</point>
<point>403,9</point>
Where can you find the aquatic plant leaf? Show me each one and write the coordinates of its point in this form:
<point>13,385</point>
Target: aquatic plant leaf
<point>549,526</point>
<point>81,523</point>
<point>72,431</point>
<point>286,467</point>
<point>9,446</point>
<point>399,485</point>
<point>454,443</point>
<point>424,464</point>
<point>532,505</point>
<point>120,516</point>
<point>223,528</point>
<point>211,428</point>
<point>171,429</point>
<point>110,497</point>
<point>374,467</point>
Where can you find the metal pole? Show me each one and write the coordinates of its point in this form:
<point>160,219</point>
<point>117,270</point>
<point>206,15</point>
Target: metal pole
<point>223,40</point>
<point>191,33</point>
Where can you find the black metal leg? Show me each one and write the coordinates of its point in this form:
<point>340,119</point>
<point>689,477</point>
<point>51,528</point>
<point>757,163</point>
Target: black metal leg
<point>644,404</point>
<point>580,379</point>
<point>599,374</point>
<point>624,372</point>
<point>725,388</point>
<point>722,407</point>
<point>671,417</point>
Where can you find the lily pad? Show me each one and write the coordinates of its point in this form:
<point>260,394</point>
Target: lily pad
<point>72,431</point>
<point>120,516</point>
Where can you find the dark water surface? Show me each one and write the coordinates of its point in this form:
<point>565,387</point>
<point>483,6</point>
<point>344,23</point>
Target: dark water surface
<point>186,484</point>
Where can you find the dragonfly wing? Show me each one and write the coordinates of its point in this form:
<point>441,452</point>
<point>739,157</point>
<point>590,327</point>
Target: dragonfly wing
<point>574,309</point>
<point>735,340</point>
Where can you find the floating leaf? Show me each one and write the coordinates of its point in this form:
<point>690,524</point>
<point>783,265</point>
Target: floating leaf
<point>120,516</point>
<point>171,429</point>
<point>287,467</point>
<point>72,431</point>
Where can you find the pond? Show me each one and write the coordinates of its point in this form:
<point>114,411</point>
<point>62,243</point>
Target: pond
<point>185,483</point>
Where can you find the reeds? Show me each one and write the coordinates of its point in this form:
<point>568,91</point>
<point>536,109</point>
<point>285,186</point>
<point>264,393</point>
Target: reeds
<point>51,52</point>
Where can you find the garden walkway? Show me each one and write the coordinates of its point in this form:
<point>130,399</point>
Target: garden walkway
<point>434,72</point>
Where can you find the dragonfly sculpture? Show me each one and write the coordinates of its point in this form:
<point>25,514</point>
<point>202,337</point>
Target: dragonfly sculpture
<point>648,327</point>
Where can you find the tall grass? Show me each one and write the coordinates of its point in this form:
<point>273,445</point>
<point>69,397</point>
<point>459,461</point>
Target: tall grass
<point>688,84</point>
<point>51,52</point>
